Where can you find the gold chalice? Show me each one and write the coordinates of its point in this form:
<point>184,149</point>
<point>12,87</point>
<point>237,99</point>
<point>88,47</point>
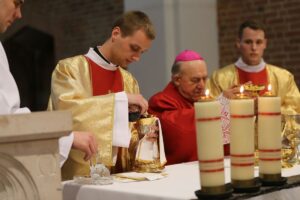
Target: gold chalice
<point>148,154</point>
<point>253,89</point>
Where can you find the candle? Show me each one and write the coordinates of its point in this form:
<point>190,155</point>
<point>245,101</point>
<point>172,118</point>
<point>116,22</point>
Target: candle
<point>242,140</point>
<point>206,97</point>
<point>241,95</point>
<point>269,92</point>
<point>269,137</point>
<point>210,144</point>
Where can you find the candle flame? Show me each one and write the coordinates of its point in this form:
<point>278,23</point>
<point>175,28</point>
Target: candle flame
<point>207,92</point>
<point>242,89</point>
<point>269,87</point>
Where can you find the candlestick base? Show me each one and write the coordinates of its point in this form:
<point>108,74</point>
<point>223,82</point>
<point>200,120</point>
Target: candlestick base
<point>246,186</point>
<point>222,192</point>
<point>272,179</point>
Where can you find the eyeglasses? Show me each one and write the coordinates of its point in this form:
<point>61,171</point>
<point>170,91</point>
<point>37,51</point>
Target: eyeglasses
<point>18,3</point>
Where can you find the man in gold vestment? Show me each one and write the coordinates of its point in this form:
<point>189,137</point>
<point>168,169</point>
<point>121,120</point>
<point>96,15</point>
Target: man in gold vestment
<point>99,91</point>
<point>251,44</point>
<point>9,93</point>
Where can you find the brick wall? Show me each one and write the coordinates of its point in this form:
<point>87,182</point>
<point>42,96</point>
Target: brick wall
<point>282,21</point>
<point>74,24</point>
<point>71,26</point>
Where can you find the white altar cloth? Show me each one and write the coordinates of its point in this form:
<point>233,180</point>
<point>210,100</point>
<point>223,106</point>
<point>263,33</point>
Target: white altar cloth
<point>181,183</point>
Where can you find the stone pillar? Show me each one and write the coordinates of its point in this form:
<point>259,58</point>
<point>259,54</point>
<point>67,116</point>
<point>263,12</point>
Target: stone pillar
<point>29,155</point>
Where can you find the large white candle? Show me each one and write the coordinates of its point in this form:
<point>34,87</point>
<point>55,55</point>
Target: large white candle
<point>210,143</point>
<point>269,135</point>
<point>242,139</point>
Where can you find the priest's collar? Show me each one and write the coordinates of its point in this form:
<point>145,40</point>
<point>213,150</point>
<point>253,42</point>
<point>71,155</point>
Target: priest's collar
<point>95,55</point>
<point>250,68</point>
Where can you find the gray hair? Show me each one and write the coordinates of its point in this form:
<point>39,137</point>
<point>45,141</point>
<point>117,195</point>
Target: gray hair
<point>176,68</point>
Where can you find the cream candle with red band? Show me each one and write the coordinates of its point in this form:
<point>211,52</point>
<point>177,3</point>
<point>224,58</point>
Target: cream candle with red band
<point>210,143</point>
<point>269,135</point>
<point>242,139</point>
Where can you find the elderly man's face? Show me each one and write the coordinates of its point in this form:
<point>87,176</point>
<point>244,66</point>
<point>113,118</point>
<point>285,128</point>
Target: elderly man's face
<point>191,79</point>
<point>10,10</point>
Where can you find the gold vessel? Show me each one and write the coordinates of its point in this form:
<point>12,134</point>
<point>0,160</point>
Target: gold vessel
<point>290,140</point>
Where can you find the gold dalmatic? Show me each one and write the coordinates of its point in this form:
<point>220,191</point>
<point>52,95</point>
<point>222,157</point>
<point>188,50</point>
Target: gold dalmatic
<point>282,81</point>
<point>72,90</point>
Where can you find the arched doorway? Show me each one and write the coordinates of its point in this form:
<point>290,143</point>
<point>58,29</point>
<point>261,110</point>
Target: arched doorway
<point>30,54</point>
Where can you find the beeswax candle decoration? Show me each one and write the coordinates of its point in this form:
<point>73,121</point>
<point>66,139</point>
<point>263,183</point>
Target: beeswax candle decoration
<point>209,143</point>
<point>242,141</point>
<point>269,137</point>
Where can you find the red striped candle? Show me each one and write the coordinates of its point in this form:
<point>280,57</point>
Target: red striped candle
<point>210,143</point>
<point>242,139</point>
<point>269,135</point>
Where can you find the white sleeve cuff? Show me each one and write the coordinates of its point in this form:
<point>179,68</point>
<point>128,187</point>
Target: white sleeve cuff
<point>65,144</point>
<point>121,133</point>
<point>22,110</point>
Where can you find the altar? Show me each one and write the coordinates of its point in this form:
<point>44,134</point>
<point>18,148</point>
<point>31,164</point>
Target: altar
<point>29,155</point>
<point>181,183</point>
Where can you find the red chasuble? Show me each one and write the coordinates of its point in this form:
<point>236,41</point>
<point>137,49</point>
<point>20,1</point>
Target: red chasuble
<point>105,81</point>
<point>257,78</point>
<point>177,118</point>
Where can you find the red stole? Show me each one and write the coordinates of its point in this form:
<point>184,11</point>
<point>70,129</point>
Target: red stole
<point>257,78</point>
<point>104,81</point>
